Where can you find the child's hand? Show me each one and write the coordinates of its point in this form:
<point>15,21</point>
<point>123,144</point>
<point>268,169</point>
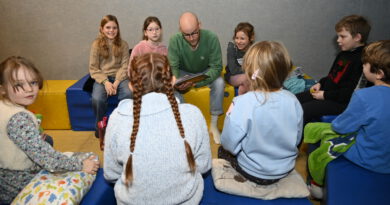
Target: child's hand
<point>91,165</point>
<point>115,85</point>
<point>318,95</point>
<point>316,87</point>
<point>109,88</point>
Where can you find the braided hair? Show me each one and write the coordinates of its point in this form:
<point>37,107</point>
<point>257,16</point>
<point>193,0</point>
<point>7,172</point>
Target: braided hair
<point>150,73</point>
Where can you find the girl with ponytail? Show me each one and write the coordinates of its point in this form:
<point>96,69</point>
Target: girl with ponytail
<point>156,149</point>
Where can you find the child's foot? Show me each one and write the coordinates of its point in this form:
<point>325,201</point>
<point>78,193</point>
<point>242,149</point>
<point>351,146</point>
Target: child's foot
<point>316,191</point>
<point>216,135</point>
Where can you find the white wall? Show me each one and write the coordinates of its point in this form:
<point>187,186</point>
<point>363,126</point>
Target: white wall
<point>56,35</point>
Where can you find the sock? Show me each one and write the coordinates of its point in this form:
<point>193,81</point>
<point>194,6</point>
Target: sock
<point>316,191</point>
<point>214,129</point>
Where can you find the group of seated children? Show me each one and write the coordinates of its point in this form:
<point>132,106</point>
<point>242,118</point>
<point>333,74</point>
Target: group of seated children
<point>156,148</point>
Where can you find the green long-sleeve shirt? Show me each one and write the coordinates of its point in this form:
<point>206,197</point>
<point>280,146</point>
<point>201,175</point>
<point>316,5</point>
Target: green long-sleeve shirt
<point>207,56</point>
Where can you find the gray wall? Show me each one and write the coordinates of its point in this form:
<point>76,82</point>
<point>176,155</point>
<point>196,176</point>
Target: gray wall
<point>57,34</point>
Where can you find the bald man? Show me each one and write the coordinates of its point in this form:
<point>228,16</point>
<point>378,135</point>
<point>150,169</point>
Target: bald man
<point>192,51</point>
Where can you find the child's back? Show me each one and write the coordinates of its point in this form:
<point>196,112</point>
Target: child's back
<point>148,137</point>
<point>161,172</point>
<point>267,133</point>
<point>263,127</point>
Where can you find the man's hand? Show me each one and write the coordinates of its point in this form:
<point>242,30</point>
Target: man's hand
<point>185,86</point>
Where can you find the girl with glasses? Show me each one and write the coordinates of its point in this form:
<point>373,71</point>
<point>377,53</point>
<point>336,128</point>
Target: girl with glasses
<point>151,41</point>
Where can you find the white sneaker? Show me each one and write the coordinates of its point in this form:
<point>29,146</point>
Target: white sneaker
<point>216,135</point>
<point>316,191</point>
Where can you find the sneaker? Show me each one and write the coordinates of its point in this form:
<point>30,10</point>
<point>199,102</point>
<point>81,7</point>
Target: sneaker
<point>316,191</point>
<point>216,135</point>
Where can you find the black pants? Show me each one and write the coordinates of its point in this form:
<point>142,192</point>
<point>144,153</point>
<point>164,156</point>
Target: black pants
<point>223,154</point>
<point>314,109</point>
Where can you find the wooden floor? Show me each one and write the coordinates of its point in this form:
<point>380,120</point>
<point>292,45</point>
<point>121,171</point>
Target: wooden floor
<point>85,141</point>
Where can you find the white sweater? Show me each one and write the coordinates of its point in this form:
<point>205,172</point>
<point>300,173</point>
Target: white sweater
<point>160,168</point>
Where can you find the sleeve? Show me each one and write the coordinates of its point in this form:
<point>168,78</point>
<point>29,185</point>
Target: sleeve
<point>23,132</point>
<point>352,118</point>
<point>232,59</point>
<point>173,55</point>
<point>121,73</point>
<point>94,64</point>
<point>232,133</point>
<point>202,152</point>
<point>215,61</point>
<point>112,168</point>
<point>348,84</point>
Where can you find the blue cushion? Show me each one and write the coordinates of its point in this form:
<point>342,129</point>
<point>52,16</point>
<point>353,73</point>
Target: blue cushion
<point>328,118</point>
<point>347,183</point>
<point>101,192</point>
<point>81,115</point>
<point>213,196</point>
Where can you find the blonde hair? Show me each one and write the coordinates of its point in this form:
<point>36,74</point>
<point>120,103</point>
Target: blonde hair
<point>150,73</point>
<point>102,39</point>
<point>266,65</point>
<point>8,70</point>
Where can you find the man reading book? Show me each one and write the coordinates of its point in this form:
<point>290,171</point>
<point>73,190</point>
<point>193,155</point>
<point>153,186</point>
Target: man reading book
<point>192,51</point>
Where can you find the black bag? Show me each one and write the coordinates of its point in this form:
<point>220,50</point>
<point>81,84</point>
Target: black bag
<point>88,85</point>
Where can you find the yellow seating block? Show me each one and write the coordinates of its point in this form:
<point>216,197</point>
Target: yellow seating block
<point>200,97</point>
<point>51,103</point>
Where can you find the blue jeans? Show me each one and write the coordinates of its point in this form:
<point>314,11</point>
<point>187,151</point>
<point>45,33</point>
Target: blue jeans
<point>217,90</point>
<point>99,97</point>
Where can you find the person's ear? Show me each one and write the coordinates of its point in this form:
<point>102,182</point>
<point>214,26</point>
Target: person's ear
<point>380,74</point>
<point>358,37</point>
<point>199,25</point>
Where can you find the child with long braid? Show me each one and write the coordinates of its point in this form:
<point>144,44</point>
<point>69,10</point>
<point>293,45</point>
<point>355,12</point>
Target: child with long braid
<point>156,149</point>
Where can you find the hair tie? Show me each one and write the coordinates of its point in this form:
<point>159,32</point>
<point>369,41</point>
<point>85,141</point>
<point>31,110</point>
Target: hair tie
<point>254,75</point>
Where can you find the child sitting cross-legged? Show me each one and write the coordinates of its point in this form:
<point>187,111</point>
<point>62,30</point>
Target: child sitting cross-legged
<point>263,126</point>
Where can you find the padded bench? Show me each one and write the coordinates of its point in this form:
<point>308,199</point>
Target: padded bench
<point>102,192</point>
<point>51,103</point>
<point>80,109</point>
<point>82,117</point>
<point>348,183</point>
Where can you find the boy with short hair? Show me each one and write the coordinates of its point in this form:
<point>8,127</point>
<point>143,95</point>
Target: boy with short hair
<point>330,96</point>
<point>367,115</point>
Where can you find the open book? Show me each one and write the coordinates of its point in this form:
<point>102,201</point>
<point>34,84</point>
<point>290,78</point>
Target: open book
<point>194,78</point>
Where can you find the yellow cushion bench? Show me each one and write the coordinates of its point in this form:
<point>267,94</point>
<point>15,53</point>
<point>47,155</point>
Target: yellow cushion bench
<point>51,103</point>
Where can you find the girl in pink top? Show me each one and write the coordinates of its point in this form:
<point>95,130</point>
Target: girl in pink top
<point>151,43</point>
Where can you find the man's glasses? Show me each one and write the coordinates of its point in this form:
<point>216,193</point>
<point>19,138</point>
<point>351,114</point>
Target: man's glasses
<point>188,35</point>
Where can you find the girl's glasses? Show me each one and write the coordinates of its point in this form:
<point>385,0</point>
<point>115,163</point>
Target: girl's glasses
<point>153,29</point>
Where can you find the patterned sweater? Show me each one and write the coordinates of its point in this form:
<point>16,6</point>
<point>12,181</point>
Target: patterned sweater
<point>24,133</point>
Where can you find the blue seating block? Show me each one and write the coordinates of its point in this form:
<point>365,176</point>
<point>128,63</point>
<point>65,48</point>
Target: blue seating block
<point>212,196</point>
<point>101,192</point>
<point>79,102</point>
<point>348,183</point>
<point>328,118</point>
